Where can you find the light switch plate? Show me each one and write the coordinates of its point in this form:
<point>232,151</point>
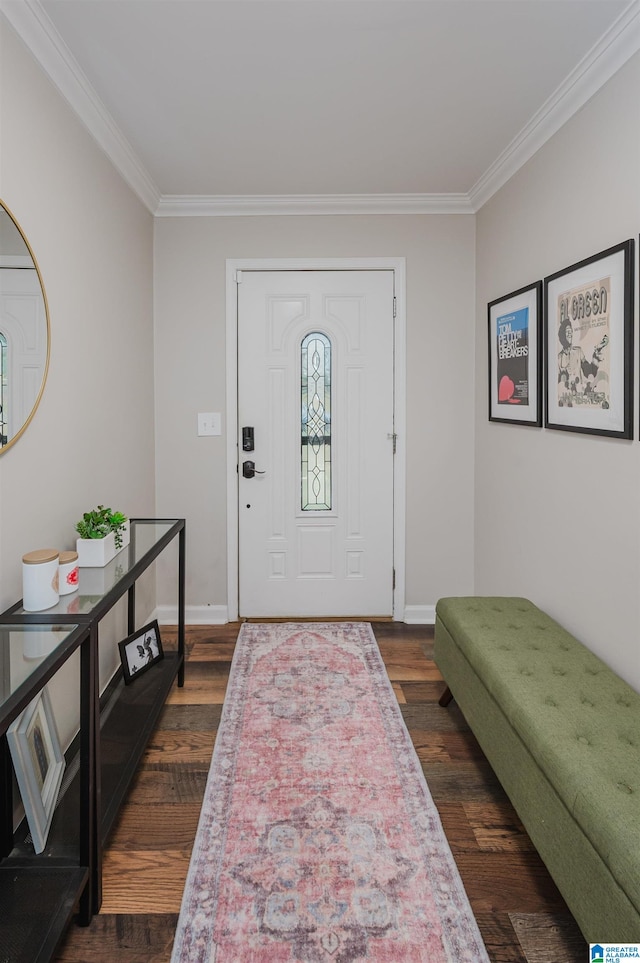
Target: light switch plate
<point>209,423</point>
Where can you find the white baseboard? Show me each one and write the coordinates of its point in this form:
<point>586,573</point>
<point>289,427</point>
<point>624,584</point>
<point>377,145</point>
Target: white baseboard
<point>194,614</point>
<point>420,614</point>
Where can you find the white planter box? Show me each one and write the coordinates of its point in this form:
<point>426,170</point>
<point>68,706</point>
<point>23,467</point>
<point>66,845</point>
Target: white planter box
<point>97,552</point>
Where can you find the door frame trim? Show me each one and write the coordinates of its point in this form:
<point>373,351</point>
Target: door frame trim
<point>398,266</point>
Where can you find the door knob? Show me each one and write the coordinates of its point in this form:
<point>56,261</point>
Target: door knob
<point>249,469</point>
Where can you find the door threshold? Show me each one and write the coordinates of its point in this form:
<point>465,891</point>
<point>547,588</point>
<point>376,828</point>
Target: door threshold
<point>315,618</point>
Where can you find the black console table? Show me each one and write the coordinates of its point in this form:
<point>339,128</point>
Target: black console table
<point>39,894</point>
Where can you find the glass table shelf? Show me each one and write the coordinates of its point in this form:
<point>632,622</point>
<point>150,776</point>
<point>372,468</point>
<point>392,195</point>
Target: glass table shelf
<point>29,656</point>
<point>99,588</point>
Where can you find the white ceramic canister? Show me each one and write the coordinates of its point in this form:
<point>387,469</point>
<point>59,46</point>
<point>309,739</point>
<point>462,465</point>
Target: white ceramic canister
<point>68,573</point>
<point>40,579</point>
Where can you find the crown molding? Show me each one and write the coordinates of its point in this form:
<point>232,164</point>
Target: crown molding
<point>187,205</point>
<point>33,26</point>
<point>609,54</point>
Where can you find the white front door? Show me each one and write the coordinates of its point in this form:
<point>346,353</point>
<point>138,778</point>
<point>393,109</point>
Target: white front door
<point>315,385</point>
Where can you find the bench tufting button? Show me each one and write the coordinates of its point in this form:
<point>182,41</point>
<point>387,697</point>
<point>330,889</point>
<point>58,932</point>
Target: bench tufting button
<point>584,740</point>
<point>623,702</point>
<point>587,702</point>
<point>622,786</point>
<point>550,702</point>
<point>557,671</point>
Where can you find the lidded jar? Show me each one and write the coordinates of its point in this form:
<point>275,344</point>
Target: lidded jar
<point>40,579</point>
<point>68,573</point>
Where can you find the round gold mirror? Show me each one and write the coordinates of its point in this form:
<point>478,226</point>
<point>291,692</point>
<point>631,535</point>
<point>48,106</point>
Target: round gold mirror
<point>24,331</point>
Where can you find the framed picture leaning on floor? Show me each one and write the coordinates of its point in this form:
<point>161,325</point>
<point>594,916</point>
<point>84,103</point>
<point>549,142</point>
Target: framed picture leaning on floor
<point>38,763</point>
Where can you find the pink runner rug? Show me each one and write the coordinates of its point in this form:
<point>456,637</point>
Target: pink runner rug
<point>318,838</point>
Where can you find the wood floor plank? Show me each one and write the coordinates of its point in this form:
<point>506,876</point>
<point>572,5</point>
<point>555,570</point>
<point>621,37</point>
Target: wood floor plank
<point>187,717</point>
<point>213,670</point>
<point>399,656</point>
<point>496,882</point>
<point>499,938</point>
<point>205,652</point>
<point>550,936</point>
<point>458,830</point>
<point>172,785</point>
<point>429,715</point>
<point>402,671</point>
<point>496,826</point>
<point>397,688</point>
<point>429,750</point>
<point>400,650</point>
<point>140,881</point>
<point>169,745</point>
<point>498,839</point>
<point>424,691</point>
<point>446,747</point>
<point>198,693</point>
<point>165,826</point>
<point>123,938</point>
<point>466,780</point>
<point>402,631</point>
<point>462,747</point>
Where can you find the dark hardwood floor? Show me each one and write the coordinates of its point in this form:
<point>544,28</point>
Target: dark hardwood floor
<point>521,914</point>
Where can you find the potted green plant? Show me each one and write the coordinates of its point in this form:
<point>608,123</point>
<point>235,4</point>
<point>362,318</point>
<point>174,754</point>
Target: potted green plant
<point>103,533</point>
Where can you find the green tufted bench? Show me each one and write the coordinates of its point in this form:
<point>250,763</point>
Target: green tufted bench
<point>562,733</point>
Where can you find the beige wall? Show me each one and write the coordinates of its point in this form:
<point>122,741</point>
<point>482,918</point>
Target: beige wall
<point>92,438</point>
<point>190,257</point>
<point>557,514</point>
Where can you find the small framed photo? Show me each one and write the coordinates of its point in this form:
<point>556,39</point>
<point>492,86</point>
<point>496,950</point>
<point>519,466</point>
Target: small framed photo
<point>589,344</point>
<point>515,362</point>
<point>140,650</point>
<point>39,765</point>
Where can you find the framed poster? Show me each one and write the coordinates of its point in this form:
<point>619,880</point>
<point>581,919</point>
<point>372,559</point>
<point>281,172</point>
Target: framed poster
<point>140,650</point>
<point>38,763</point>
<point>515,370</point>
<point>589,344</point>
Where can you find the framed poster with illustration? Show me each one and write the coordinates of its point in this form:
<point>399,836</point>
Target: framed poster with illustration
<point>140,650</point>
<point>515,369</point>
<point>39,764</point>
<point>589,344</point>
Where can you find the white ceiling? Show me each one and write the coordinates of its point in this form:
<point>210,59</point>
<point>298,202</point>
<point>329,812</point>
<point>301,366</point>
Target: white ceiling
<point>213,105</point>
